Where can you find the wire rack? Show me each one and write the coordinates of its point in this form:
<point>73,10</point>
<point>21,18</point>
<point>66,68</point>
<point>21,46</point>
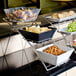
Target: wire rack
<point>46,65</point>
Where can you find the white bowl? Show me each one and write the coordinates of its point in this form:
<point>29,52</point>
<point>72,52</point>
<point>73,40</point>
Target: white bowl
<point>55,59</point>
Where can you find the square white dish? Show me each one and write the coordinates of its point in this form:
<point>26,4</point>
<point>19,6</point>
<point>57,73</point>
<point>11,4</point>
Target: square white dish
<point>55,59</point>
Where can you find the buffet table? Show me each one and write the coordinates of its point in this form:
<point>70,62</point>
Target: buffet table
<point>17,59</point>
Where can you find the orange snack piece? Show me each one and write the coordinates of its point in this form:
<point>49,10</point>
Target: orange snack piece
<point>55,50</point>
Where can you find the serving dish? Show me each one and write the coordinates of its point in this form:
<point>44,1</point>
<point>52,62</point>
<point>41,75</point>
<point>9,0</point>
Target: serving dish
<point>69,29</point>
<point>64,30</point>
<point>22,14</point>
<point>61,16</point>
<point>38,37</point>
<point>60,20</point>
<point>55,59</point>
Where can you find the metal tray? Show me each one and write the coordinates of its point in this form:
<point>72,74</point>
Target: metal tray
<point>60,20</point>
<point>48,17</point>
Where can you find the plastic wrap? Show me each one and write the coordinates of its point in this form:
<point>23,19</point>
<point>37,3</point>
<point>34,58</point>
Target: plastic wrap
<point>22,14</point>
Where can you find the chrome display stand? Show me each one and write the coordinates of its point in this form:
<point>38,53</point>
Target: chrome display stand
<point>46,65</point>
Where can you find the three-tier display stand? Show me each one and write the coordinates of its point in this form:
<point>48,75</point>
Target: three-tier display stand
<point>14,27</point>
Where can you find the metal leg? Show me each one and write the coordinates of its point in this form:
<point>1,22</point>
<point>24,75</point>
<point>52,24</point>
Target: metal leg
<point>8,37</point>
<point>6,46</point>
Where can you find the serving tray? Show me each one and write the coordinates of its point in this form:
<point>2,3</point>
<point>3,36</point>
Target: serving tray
<point>48,17</point>
<point>60,20</point>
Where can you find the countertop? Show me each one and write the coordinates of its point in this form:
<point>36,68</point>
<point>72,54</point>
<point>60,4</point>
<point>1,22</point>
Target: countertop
<point>35,68</point>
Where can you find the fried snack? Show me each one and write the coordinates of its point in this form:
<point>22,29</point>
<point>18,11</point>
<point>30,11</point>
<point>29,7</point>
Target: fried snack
<point>71,13</point>
<point>65,14</point>
<point>44,29</point>
<point>55,50</point>
<point>60,16</point>
<point>54,15</point>
<point>27,29</point>
<point>37,29</point>
<point>25,17</point>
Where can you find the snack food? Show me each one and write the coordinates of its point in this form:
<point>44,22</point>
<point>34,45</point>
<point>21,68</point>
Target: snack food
<point>55,50</point>
<point>62,14</point>
<point>37,29</point>
<point>54,15</point>
<point>71,13</point>
<point>22,14</point>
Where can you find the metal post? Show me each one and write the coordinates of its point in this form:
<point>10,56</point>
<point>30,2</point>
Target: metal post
<point>5,2</point>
